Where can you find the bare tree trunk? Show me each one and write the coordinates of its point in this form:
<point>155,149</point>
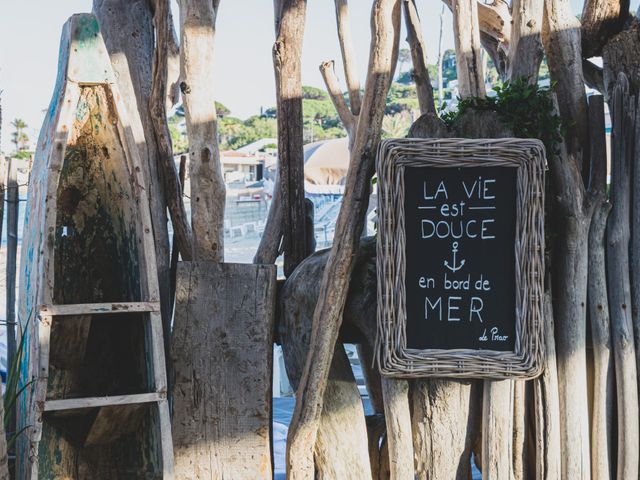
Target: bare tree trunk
<point>287,58</point>
<point>328,313</point>
<point>561,37</point>
<point>602,415</point>
<point>547,406</point>
<point>525,49</point>
<point>398,421</point>
<point>497,427</point>
<point>467,40</point>
<point>623,117</point>
<point>198,22</point>
<point>419,58</point>
<point>446,420</point>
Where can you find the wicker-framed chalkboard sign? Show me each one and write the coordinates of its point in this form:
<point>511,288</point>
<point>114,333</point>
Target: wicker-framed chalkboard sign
<point>460,257</point>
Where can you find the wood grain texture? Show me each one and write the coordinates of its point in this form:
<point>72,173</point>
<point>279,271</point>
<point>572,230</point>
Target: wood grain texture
<point>618,236</point>
<point>222,354</point>
<point>467,41</point>
<point>525,49</point>
<point>287,65</point>
<point>602,415</point>
<point>197,32</point>
<point>573,209</point>
<point>398,421</point>
<point>547,406</point>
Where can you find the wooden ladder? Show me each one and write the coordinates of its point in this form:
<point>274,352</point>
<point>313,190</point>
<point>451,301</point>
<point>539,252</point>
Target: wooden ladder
<point>158,395</point>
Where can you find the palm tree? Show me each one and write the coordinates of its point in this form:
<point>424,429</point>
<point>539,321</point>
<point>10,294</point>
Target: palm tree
<point>19,136</point>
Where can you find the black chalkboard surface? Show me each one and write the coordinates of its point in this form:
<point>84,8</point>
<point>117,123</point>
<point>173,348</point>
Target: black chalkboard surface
<point>460,228</point>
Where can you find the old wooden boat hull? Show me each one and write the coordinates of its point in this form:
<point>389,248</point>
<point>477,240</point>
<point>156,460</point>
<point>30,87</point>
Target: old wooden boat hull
<point>94,403</point>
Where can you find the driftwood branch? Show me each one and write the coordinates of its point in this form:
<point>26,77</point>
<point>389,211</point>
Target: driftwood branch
<point>561,38</point>
<point>287,58</point>
<point>419,58</point>
<point>525,49</point>
<point>158,115</point>
<point>618,235</point>
<point>331,300</point>
<point>333,87</point>
<point>467,42</point>
<point>198,21</point>
<point>398,420</point>
<point>348,55</point>
<point>603,375</point>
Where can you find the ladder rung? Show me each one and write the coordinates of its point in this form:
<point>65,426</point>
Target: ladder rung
<point>91,402</point>
<point>96,308</point>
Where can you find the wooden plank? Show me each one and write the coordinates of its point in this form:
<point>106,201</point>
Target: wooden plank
<point>222,352</point>
<point>13,207</point>
<point>100,308</point>
<point>92,402</point>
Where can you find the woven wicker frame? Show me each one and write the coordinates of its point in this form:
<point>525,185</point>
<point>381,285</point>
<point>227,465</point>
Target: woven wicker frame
<point>393,358</point>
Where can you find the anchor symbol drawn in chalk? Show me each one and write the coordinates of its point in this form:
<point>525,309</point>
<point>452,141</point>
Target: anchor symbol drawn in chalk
<point>454,268</point>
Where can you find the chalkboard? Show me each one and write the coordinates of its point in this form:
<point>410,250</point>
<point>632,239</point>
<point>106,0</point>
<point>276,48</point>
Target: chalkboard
<point>460,226</point>
<point>460,257</point>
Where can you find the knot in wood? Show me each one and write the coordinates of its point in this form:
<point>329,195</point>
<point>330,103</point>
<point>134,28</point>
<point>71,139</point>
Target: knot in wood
<point>184,88</point>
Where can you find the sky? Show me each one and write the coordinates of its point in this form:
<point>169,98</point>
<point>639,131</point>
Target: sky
<point>30,35</point>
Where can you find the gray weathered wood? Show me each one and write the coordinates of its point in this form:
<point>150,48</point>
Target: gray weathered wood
<point>573,209</point>
<point>222,349</point>
<point>13,209</point>
<point>467,41</point>
<point>547,406</point>
<point>398,421</point>
<point>287,64</point>
<point>497,427</point>
<point>602,416</point>
<point>525,49</point>
<point>623,119</point>
<point>197,32</point>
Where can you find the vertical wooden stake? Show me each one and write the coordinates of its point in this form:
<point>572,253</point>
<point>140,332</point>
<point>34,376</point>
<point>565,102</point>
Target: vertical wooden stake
<point>3,178</point>
<point>398,420</point>
<point>13,207</point>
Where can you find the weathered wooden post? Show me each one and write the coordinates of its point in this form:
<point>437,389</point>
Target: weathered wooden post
<point>13,210</point>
